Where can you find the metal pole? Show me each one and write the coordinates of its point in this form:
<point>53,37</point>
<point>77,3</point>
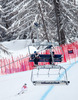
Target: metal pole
<point>52,56</point>
<point>29,50</point>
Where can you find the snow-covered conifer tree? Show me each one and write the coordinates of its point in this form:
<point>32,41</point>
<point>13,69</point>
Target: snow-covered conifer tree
<point>25,18</point>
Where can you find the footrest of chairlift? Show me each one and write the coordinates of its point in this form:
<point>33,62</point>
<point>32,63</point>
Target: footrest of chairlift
<point>51,82</point>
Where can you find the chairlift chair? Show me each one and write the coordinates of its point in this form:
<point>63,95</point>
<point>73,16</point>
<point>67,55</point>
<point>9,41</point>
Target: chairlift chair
<point>49,74</point>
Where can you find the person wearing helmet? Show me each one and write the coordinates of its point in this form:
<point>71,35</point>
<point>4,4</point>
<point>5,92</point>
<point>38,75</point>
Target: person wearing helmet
<point>23,89</point>
<point>51,59</point>
<point>35,52</point>
<point>36,58</point>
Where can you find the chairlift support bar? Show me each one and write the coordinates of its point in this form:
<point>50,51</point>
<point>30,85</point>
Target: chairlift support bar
<point>49,67</point>
<point>46,44</point>
<point>39,44</point>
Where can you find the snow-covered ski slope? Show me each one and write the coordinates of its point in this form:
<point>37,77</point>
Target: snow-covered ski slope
<point>11,84</point>
<point>16,48</point>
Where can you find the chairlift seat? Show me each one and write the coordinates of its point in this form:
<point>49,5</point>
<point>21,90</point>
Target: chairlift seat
<point>51,82</point>
<point>45,58</point>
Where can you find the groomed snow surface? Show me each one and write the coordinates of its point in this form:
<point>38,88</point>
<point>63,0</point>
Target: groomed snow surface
<point>10,85</point>
<point>16,48</point>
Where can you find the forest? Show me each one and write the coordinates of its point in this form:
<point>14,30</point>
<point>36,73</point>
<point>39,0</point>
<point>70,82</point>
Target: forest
<point>51,20</point>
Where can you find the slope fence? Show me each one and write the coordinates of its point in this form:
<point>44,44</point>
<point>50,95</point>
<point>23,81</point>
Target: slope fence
<point>21,63</point>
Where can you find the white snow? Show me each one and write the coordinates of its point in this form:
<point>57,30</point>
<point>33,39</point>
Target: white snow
<point>3,27</point>
<point>17,48</point>
<point>1,8</point>
<point>11,84</point>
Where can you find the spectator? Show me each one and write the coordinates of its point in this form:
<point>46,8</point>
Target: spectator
<point>36,58</point>
<point>51,59</point>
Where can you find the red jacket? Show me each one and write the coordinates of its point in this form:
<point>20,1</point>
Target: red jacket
<point>24,86</point>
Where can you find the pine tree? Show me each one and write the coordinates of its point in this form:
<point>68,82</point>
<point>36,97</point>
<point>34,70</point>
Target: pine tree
<point>22,15</point>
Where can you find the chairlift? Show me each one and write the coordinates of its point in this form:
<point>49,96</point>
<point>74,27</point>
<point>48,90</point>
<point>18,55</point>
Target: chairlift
<point>48,74</point>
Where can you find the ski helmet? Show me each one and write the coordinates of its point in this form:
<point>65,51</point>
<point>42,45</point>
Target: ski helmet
<point>35,52</point>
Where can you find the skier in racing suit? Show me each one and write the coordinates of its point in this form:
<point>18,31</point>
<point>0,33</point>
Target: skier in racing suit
<point>23,89</point>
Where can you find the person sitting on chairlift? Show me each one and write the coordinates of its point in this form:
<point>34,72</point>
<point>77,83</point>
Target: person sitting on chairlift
<point>51,60</point>
<point>36,58</point>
